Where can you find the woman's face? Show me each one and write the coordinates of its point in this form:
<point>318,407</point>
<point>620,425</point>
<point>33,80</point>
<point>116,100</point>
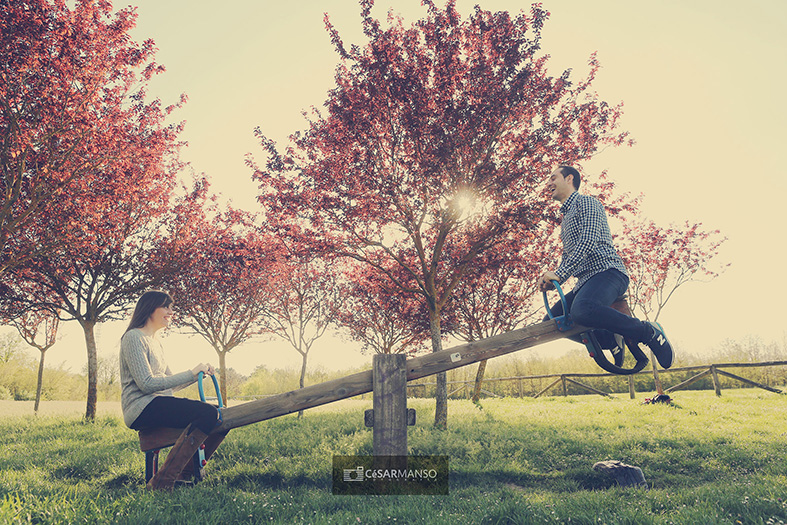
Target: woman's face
<point>161,317</point>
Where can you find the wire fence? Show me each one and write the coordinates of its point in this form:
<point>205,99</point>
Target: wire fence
<point>702,377</point>
<point>769,375</point>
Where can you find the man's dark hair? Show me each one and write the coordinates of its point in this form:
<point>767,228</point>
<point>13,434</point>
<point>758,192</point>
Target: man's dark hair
<point>569,170</point>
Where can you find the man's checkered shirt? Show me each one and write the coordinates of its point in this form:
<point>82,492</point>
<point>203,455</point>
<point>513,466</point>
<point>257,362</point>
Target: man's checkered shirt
<point>587,241</point>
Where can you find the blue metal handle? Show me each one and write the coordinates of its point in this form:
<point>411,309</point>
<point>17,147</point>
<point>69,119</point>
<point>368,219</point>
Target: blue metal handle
<point>564,321</point>
<point>562,300</point>
<point>215,385</point>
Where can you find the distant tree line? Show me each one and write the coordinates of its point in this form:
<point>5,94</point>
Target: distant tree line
<point>18,375</point>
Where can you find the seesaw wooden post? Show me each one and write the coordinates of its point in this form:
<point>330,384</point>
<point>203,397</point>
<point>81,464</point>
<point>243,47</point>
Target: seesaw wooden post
<point>389,377</point>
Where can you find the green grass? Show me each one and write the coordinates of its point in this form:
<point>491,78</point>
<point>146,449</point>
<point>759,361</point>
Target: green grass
<point>708,460</point>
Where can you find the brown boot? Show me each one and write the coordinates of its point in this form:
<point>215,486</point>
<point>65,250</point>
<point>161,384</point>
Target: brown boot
<point>182,451</point>
<point>211,444</point>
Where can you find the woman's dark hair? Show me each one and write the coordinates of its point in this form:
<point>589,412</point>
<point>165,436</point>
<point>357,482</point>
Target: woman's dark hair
<point>570,170</point>
<point>146,305</point>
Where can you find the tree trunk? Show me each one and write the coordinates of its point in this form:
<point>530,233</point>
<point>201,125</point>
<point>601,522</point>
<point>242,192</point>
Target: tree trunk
<point>92,369</point>
<point>479,378</point>
<point>656,377</point>
<point>40,381</point>
<point>223,376</point>
<point>441,390</point>
<point>302,381</point>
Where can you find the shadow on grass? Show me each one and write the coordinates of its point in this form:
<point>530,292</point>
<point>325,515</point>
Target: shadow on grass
<point>273,480</point>
<point>569,481</point>
<point>124,481</point>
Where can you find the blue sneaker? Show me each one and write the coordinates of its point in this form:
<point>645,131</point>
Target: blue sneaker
<point>661,346</point>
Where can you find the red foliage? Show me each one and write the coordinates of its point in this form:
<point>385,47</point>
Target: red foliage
<point>32,324</point>
<point>378,314</point>
<point>423,120</point>
<point>221,272</point>
<point>660,260</point>
<point>70,106</point>
<point>500,291</point>
<point>300,307</point>
<point>88,164</point>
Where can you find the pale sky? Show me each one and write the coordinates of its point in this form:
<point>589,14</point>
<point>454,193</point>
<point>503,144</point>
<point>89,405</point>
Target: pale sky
<point>702,82</point>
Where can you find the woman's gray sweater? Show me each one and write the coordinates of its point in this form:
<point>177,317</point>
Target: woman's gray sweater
<point>144,374</point>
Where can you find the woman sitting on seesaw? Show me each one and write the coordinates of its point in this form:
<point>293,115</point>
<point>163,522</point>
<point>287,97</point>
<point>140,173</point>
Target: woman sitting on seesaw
<point>148,385</point>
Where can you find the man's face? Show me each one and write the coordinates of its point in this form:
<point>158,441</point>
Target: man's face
<point>561,187</point>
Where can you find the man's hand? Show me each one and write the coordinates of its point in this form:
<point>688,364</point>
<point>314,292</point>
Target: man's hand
<point>546,281</point>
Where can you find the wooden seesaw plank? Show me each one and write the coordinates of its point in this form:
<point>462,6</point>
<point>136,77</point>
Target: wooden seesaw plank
<point>417,367</point>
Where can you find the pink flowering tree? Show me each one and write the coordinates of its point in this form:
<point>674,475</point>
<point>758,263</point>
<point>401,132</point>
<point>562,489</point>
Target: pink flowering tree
<point>426,122</point>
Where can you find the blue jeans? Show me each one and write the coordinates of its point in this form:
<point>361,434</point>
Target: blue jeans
<point>590,306</point>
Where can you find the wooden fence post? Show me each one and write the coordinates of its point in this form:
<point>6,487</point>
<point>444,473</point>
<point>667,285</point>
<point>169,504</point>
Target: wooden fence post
<point>750,382</point>
<point>687,382</point>
<point>716,384</point>
<point>389,384</point>
<point>565,389</point>
<point>553,383</point>
<point>632,391</point>
<point>588,388</point>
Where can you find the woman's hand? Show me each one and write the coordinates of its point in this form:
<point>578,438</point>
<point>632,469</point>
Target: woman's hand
<point>202,367</point>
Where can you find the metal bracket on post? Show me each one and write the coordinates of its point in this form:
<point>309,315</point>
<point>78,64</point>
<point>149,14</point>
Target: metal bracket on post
<point>368,417</point>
